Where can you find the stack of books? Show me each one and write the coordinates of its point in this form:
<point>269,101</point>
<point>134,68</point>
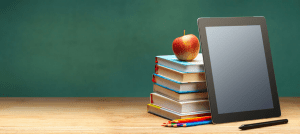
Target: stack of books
<point>179,88</point>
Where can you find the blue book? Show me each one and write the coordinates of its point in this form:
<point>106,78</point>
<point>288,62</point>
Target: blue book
<point>179,96</point>
<point>179,87</point>
<point>171,61</point>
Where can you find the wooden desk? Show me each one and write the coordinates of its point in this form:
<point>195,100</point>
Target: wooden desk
<point>115,115</point>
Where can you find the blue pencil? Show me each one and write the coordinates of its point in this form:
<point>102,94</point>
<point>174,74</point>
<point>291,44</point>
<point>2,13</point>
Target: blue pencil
<point>195,123</point>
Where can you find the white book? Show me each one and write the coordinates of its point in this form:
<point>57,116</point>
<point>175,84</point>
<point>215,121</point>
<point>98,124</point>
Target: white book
<point>172,115</point>
<point>171,61</point>
<point>181,107</point>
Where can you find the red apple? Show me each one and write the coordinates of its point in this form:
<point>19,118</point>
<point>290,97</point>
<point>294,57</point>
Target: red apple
<point>186,47</point>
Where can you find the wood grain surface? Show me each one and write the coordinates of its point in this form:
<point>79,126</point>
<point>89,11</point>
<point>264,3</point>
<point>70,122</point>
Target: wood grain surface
<point>116,115</point>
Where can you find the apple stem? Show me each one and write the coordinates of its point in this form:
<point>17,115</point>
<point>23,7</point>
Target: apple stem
<point>183,32</point>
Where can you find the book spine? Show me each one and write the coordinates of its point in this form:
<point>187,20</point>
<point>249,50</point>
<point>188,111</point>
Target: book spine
<point>156,69</point>
<point>156,60</point>
<point>153,79</point>
<point>154,106</point>
<point>151,99</point>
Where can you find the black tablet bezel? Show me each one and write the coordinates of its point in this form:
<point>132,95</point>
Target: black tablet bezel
<point>237,116</point>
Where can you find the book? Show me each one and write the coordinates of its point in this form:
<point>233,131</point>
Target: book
<point>179,87</point>
<point>172,115</point>
<point>182,106</point>
<point>171,61</point>
<point>179,76</point>
<point>179,96</point>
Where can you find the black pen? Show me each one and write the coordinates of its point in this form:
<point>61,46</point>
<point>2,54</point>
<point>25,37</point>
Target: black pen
<point>263,124</point>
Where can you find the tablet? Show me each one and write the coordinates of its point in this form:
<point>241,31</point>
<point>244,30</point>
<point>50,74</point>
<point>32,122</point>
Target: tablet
<point>238,67</point>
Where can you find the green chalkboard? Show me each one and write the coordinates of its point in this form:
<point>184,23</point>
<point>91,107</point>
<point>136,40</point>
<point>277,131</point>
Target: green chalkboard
<point>94,48</point>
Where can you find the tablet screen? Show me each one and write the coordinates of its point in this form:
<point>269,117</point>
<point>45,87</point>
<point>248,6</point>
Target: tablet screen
<point>239,67</point>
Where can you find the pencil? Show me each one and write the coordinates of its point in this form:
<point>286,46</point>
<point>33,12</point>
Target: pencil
<point>191,119</point>
<point>170,125</point>
<point>187,124</point>
<point>187,120</point>
<point>195,123</point>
